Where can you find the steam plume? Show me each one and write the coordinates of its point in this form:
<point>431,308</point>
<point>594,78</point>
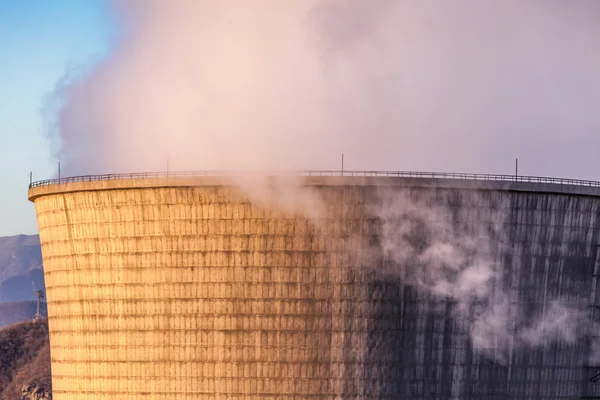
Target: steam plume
<point>454,254</point>
<point>395,84</point>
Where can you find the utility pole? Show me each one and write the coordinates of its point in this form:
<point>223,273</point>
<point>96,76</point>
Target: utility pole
<point>342,163</point>
<point>40,297</point>
<point>516,168</point>
<point>59,170</point>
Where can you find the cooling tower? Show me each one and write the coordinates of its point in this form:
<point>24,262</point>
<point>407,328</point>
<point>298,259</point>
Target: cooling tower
<point>186,287</point>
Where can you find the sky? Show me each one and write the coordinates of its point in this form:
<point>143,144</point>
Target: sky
<point>39,41</point>
<point>429,85</point>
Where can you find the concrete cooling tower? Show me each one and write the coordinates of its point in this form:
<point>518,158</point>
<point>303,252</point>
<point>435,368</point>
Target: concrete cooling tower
<point>390,286</point>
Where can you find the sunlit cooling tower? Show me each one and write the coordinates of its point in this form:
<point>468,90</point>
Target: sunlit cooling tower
<point>181,287</point>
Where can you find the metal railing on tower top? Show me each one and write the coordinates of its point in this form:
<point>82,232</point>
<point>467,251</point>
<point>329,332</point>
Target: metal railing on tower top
<point>393,174</point>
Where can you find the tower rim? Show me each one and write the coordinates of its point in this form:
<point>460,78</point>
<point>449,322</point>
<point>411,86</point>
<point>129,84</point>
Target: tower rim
<point>538,184</point>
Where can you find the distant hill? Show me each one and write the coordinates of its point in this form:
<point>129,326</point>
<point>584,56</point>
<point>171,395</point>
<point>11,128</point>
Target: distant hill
<point>20,268</point>
<point>19,255</point>
<point>22,287</point>
<point>25,362</point>
<point>11,313</point>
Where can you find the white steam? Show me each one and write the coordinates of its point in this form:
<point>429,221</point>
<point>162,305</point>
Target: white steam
<point>454,253</point>
<point>394,84</point>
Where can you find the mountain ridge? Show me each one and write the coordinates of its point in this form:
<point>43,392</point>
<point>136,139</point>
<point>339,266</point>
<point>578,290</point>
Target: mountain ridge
<point>19,254</point>
<point>17,311</point>
<point>21,271</point>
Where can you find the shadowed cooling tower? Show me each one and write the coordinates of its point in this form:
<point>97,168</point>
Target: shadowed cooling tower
<point>183,288</point>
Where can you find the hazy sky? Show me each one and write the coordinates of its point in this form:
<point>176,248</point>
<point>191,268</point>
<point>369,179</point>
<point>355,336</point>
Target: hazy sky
<point>39,40</point>
<point>454,85</point>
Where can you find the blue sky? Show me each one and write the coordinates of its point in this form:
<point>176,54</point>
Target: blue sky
<point>39,40</point>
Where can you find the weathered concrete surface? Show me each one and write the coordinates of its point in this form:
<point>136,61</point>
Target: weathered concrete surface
<point>184,289</point>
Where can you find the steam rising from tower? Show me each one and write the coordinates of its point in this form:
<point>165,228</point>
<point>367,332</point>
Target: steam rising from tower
<point>423,85</point>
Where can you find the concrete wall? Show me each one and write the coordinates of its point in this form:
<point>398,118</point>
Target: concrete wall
<point>170,290</point>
